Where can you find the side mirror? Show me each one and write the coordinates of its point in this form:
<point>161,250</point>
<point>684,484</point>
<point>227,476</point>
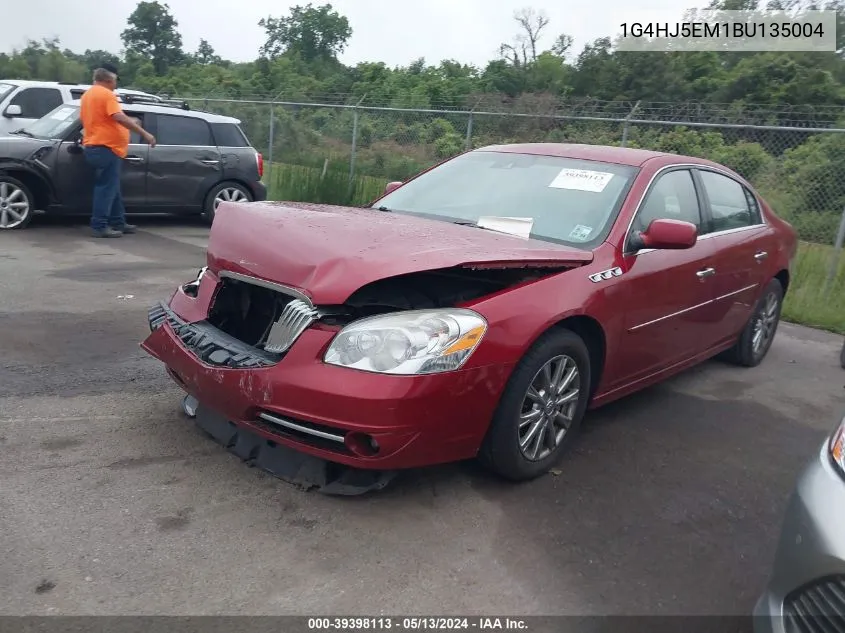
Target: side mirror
<point>666,234</point>
<point>392,186</point>
<point>12,111</point>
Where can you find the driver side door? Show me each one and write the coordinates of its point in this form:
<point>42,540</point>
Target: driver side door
<point>75,178</point>
<point>669,314</point>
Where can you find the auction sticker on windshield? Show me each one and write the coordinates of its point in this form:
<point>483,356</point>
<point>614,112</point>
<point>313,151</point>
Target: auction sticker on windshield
<point>582,180</point>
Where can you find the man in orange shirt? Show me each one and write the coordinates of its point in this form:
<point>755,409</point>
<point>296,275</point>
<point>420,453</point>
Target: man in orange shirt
<point>106,143</point>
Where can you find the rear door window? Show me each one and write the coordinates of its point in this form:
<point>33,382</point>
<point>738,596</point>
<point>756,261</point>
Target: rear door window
<point>732,206</point>
<point>183,130</point>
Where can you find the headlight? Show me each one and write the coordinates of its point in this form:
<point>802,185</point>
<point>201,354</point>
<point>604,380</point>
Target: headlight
<point>408,343</point>
<point>837,446</point>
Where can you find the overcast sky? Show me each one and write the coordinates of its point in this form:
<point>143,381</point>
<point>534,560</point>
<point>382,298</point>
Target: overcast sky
<point>393,31</point>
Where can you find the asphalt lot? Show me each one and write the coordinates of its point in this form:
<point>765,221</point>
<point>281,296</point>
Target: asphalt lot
<point>111,502</point>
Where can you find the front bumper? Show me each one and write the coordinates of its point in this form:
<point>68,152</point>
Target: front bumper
<point>806,592</point>
<point>412,421</point>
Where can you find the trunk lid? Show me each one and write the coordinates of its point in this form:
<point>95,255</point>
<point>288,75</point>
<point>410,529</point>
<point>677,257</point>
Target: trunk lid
<point>329,252</point>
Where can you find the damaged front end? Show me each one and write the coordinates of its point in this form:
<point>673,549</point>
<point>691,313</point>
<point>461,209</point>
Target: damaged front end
<point>245,326</point>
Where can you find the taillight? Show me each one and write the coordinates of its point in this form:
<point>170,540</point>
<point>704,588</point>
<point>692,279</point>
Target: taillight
<point>259,162</point>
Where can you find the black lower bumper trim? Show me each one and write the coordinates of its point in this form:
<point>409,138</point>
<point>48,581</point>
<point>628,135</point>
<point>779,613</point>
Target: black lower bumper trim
<point>302,470</point>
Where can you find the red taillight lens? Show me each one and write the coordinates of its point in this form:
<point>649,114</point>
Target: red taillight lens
<point>259,161</point>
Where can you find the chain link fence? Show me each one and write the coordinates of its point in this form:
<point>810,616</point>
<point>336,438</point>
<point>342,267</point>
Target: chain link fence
<point>346,153</point>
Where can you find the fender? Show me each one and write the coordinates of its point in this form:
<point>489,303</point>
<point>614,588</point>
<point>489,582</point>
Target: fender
<point>33,166</point>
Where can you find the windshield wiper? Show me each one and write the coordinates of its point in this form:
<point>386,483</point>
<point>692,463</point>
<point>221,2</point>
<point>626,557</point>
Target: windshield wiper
<point>385,209</point>
<point>23,132</point>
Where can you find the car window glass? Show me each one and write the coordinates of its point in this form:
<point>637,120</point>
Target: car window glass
<point>229,135</point>
<point>672,197</point>
<point>729,202</point>
<point>36,102</point>
<point>180,130</point>
<point>134,137</point>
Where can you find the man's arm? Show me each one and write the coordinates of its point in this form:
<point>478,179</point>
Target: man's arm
<point>130,124</point>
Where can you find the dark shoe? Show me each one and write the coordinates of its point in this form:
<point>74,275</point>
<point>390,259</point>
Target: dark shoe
<point>107,232</point>
<point>126,228</point>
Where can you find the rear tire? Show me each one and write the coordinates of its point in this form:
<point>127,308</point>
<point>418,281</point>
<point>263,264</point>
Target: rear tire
<point>756,339</point>
<point>225,191</point>
<point>540,412</point>
<point>17,205</point>
<point>842,356</point>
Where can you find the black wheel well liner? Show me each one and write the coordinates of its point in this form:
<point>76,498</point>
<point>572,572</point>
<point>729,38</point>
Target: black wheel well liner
<point>783,277</point>
<point>38,186</point>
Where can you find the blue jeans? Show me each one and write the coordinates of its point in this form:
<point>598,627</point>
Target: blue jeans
<point>108,209</point>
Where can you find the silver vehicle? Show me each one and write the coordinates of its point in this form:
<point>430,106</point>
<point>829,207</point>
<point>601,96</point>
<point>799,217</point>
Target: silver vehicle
<point>806,591</point>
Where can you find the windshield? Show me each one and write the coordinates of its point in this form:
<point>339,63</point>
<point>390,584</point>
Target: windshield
<point>5,89</point>
<point>564,200</point>
<point>55,124</point>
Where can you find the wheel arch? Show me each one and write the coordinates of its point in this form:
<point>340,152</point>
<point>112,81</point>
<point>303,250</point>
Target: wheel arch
<point>233,180</point>
<point>39,187</point>
<point>592,333</point>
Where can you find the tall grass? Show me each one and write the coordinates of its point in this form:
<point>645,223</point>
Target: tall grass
<point>299,183</point>
<point>809,301</point>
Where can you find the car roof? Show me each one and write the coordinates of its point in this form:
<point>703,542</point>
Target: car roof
<point>606,153</point>
<point>54,84</point>
<point>163,109</point>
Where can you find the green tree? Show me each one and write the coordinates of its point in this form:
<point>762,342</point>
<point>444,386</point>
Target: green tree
<point>152,33</point>
<point>205,54</point>
<point>311,32</point>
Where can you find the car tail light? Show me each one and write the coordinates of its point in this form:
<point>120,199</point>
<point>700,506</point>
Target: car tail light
<point>259,162</point>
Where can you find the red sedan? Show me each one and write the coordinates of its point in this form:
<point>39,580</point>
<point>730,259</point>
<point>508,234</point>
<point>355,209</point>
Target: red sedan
<point>477,310</point>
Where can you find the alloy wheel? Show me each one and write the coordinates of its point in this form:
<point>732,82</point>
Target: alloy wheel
<point>229,194</point>
<point>549,407</point>
<point>765,324</point>
<point>14,206</point>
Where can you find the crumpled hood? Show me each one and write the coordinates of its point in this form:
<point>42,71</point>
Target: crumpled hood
<point>21,147</point>
<point>329,252</point>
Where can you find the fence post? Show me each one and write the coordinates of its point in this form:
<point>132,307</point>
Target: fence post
<point>270,147</point>
<point>354,144</point>
<point>468,143</point>
<point>627,125</point>
<point>836,255</point>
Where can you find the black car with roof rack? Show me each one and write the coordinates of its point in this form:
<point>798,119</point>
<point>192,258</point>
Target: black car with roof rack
<point>200,160</point>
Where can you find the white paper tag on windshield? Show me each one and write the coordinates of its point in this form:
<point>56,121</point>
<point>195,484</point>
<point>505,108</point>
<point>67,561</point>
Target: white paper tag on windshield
<point>521,227</point>
<point>582,180</point>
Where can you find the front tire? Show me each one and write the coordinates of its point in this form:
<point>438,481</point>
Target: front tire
<point>756,339</point>
<point>224,192</point>
<point>540,412</point>
<point>17,206</point>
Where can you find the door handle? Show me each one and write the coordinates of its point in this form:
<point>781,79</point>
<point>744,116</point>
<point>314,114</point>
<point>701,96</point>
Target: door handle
<point>761,256</point>
<point>209,162</point>
<point>704,274</point>
<point>135,159</point>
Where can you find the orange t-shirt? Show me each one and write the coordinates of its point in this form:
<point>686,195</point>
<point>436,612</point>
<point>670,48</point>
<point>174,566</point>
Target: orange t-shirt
<point>96,108</point>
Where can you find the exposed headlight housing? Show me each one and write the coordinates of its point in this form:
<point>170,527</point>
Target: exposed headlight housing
<point>837,446</point>
<point>409,343</point>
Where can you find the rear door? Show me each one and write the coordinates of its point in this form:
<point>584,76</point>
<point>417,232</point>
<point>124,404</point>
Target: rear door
<point>743,244</point>
<point>184,165</point>
<point>668,306</point>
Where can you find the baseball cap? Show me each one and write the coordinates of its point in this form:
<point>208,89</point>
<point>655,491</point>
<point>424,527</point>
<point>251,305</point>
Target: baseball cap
<point>111,68</point>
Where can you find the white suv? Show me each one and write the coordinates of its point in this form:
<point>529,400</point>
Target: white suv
<point>23,102</point>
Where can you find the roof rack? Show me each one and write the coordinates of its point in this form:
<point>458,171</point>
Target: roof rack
<point>157,101</point>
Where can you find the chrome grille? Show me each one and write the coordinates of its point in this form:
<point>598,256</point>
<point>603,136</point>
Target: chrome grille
<point>294,320</point>
<point>816,608</point>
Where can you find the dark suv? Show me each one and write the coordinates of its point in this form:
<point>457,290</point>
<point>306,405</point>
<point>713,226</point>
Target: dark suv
<point>200,160</point>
